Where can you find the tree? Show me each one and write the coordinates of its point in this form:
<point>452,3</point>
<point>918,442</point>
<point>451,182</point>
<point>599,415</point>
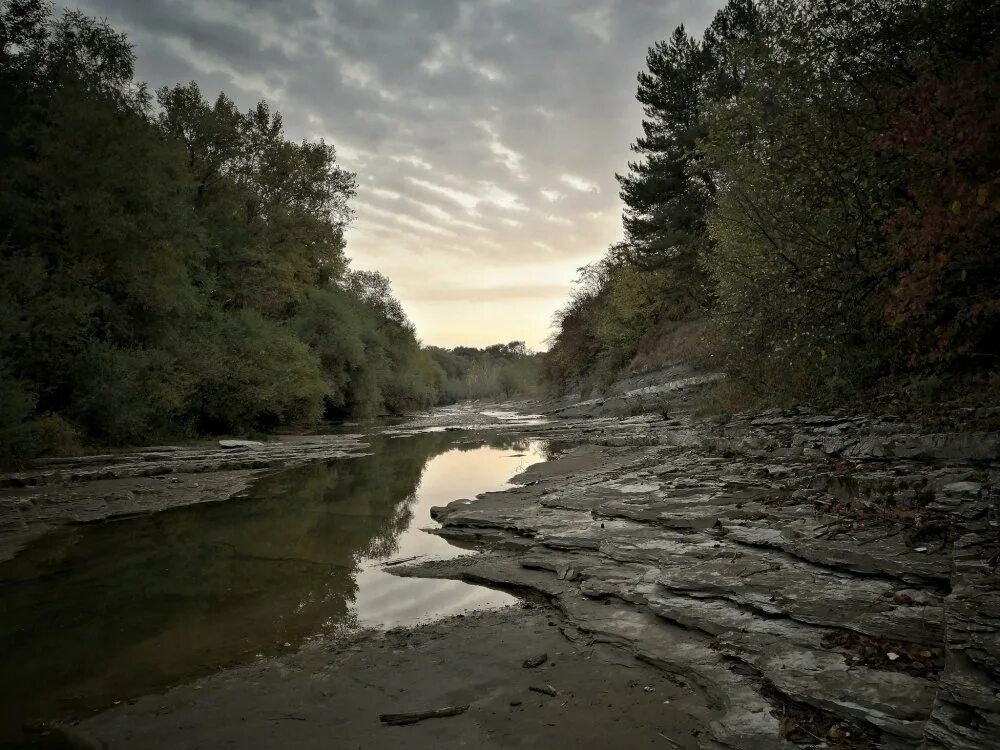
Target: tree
<point>172,272</point>
<point>274,210</point>
<point>818,178</point>
<point>664,208</point>
<point>656,276</point>
<point>941,285</point>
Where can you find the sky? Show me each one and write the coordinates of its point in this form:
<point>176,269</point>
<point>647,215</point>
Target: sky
<point>485,133</point>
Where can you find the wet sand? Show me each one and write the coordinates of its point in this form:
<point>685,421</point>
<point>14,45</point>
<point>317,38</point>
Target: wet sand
<point>330,695</point>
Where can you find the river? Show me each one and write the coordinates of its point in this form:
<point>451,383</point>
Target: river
<point>96,615</point>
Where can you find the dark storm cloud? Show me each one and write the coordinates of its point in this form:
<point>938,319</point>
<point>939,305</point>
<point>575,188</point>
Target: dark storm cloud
<point>485,134</point>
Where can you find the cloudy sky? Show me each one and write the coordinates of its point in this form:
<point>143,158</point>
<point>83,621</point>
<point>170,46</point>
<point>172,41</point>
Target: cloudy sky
<point>485,133</point>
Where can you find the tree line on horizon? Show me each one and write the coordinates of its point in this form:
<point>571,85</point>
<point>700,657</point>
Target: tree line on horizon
<point>172,266</point>
<point>812,209</point>
<point>496,371</point>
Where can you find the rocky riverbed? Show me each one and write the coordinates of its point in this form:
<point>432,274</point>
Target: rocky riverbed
<point>778,579</point>
<point>823,579</point>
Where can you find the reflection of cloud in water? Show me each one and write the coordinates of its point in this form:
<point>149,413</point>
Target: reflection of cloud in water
<point>384,599</point>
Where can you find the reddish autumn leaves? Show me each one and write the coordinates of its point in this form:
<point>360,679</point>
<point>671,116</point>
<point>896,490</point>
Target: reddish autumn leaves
<point>942,267</point>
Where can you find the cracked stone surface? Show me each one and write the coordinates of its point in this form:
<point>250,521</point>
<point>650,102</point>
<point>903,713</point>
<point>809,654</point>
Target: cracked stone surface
<point>728,554</point>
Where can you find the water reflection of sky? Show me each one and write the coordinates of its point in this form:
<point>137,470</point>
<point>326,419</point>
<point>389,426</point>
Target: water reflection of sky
<point>387,600</point>
<point>109,612</point>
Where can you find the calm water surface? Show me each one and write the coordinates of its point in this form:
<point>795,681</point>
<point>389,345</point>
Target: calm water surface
<point>100,614</point>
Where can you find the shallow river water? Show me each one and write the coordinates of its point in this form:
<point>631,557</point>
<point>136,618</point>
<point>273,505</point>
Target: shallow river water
<point>100,614</point>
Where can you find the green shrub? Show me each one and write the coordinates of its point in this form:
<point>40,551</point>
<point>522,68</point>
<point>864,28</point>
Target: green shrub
<point>24,436</point>
<point>256,375</point>
<point>129,396</point>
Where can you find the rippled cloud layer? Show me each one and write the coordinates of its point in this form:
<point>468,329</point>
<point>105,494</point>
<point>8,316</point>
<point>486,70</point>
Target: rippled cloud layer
<point>485,134</point>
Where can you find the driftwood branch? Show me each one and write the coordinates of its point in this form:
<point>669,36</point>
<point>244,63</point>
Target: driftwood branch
<point>545,690</point>
<point>398,720</point>
<point>401,560</point>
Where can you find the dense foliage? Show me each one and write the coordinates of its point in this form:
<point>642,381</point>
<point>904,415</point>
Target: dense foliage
<point>498,371</point>
<point>169,265</point>
<point>819,188</point>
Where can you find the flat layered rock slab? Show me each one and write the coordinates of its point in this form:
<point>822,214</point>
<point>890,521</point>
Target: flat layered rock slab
<point>778,584</point>
<point>869,551</point>
<point>967,709</point>
<point>776,541</point>
<point>194,459</point>
<point>504,571</point>
<point>742,717</point>
<point>893,702</point>
<point>691,510</point>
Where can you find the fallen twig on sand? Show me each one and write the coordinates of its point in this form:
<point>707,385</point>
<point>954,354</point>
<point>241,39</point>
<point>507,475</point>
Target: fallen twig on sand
<point>544,690</point>
<point>401,560</point>
<point>399,720</point>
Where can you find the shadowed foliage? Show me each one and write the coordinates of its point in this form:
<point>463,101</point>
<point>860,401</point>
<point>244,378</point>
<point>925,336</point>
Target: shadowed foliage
<point>818,183</point>
<point>171,265</point>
